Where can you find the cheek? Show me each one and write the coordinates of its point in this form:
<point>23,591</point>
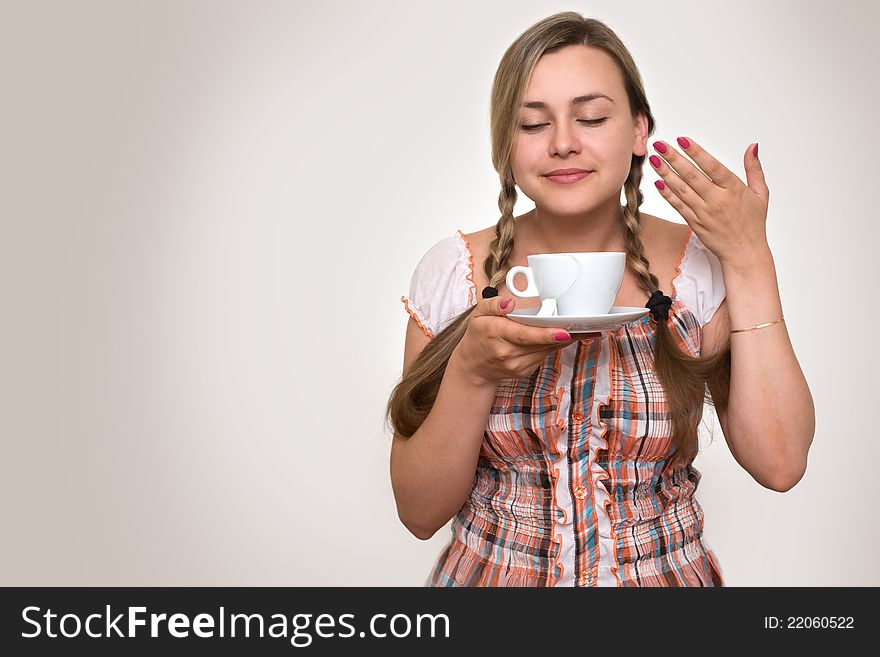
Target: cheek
<point>613,143</point>
<point>524,159</point>
<point>614,153</point>
<point>523,151</point>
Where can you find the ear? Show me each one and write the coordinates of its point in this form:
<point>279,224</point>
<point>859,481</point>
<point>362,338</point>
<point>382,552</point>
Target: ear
<point>640,135</point>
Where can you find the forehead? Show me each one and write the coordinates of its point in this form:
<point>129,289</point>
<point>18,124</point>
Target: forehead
<point>573,71</point>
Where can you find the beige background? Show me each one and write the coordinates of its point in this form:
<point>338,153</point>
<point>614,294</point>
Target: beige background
<point>210,210</point>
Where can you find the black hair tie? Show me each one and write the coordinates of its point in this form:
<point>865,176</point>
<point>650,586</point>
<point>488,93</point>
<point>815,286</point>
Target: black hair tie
<point>659,304</point>
<point>489,292</point>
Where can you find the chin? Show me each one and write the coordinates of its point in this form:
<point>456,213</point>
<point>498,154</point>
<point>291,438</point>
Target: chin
<point>565,207</point>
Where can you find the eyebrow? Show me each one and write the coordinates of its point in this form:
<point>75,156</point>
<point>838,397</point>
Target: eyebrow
<point>586,98</point>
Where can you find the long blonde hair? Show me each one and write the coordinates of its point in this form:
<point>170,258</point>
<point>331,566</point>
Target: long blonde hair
<point>684,378</point>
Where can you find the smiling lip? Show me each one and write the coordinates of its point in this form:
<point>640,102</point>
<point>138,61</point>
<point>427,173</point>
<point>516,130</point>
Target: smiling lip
<point>567,175</point>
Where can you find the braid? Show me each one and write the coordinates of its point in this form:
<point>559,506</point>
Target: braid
<point>682,377</point>
<point>496,265</point>
<point>633,224</point>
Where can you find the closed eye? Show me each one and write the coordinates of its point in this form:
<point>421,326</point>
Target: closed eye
<point>592,122</point>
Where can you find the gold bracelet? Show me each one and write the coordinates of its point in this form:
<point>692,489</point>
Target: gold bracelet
<point>752,328</point>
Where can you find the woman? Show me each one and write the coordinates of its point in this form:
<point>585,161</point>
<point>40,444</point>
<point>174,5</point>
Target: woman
<point>567,461</point>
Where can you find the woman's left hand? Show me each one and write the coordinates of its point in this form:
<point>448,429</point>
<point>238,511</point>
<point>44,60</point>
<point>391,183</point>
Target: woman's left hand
<point>727,215</point>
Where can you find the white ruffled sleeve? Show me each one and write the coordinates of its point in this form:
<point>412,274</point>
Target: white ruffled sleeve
<point>442,285</point>
<point>700,284</point>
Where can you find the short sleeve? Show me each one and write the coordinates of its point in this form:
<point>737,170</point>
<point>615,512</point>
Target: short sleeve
<point>699,283</point>
<point>442,285</point>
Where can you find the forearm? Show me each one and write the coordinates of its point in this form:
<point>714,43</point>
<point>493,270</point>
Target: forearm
<point>433,472</point>
<point>770,415</point>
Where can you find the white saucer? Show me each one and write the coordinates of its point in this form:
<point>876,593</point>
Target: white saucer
<point>619,316</point>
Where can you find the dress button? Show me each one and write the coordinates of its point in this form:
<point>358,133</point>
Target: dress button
<point>577,417</point>
<point>580,492</point>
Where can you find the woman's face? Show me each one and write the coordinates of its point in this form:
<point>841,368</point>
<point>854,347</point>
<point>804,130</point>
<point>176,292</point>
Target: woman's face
<point>597,135</point>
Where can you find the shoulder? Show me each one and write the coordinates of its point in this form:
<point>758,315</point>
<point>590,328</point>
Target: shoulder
<point>667,239</point>
<point>698,280</point>
<point>443,253</point>
<point>446,258</point>
<point>479,240</point>
<point>696,272</point>
<point>477,244</point>
<point>441,285</point>
<point>483,235</point>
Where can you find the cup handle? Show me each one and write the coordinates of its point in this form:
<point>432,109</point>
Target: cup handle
<point>577,273</point>
<point>531,288</point>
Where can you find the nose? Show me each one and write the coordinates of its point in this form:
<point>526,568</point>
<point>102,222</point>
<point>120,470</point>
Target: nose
<point>564,140</point>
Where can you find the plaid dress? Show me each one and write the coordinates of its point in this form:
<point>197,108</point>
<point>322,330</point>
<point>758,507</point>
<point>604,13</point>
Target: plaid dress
<point>570,487</point>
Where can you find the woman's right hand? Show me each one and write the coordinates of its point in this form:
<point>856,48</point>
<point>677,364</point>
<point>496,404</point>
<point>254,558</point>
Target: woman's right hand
<point>495,347</point>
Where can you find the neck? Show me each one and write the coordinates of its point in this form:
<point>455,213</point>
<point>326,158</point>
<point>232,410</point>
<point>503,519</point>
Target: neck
<point>601,229</point>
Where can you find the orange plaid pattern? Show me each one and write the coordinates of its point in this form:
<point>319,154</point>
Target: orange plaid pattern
<point>571,487</point>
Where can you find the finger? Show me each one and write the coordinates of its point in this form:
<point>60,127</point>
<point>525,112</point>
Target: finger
<point>688,182</point>
<point>492,307</point>
<point>755,172</point>
<point>683,209</point>
<point>545,348</point>
<point>564,344</point>
<point>717,172</point>
<point>530,338</point>
<point>680,187</point>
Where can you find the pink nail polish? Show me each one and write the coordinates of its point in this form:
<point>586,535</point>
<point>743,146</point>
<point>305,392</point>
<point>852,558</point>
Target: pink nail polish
<point>655,161</point>
<point>660,185</point>
<point>684,142</point>
<point>660,147</point>
<point>561,336</point>
<point>504,303</point>
<point>755,150</point>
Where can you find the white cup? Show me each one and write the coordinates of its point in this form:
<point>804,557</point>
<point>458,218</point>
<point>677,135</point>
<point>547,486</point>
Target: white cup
<point>571,283</point>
